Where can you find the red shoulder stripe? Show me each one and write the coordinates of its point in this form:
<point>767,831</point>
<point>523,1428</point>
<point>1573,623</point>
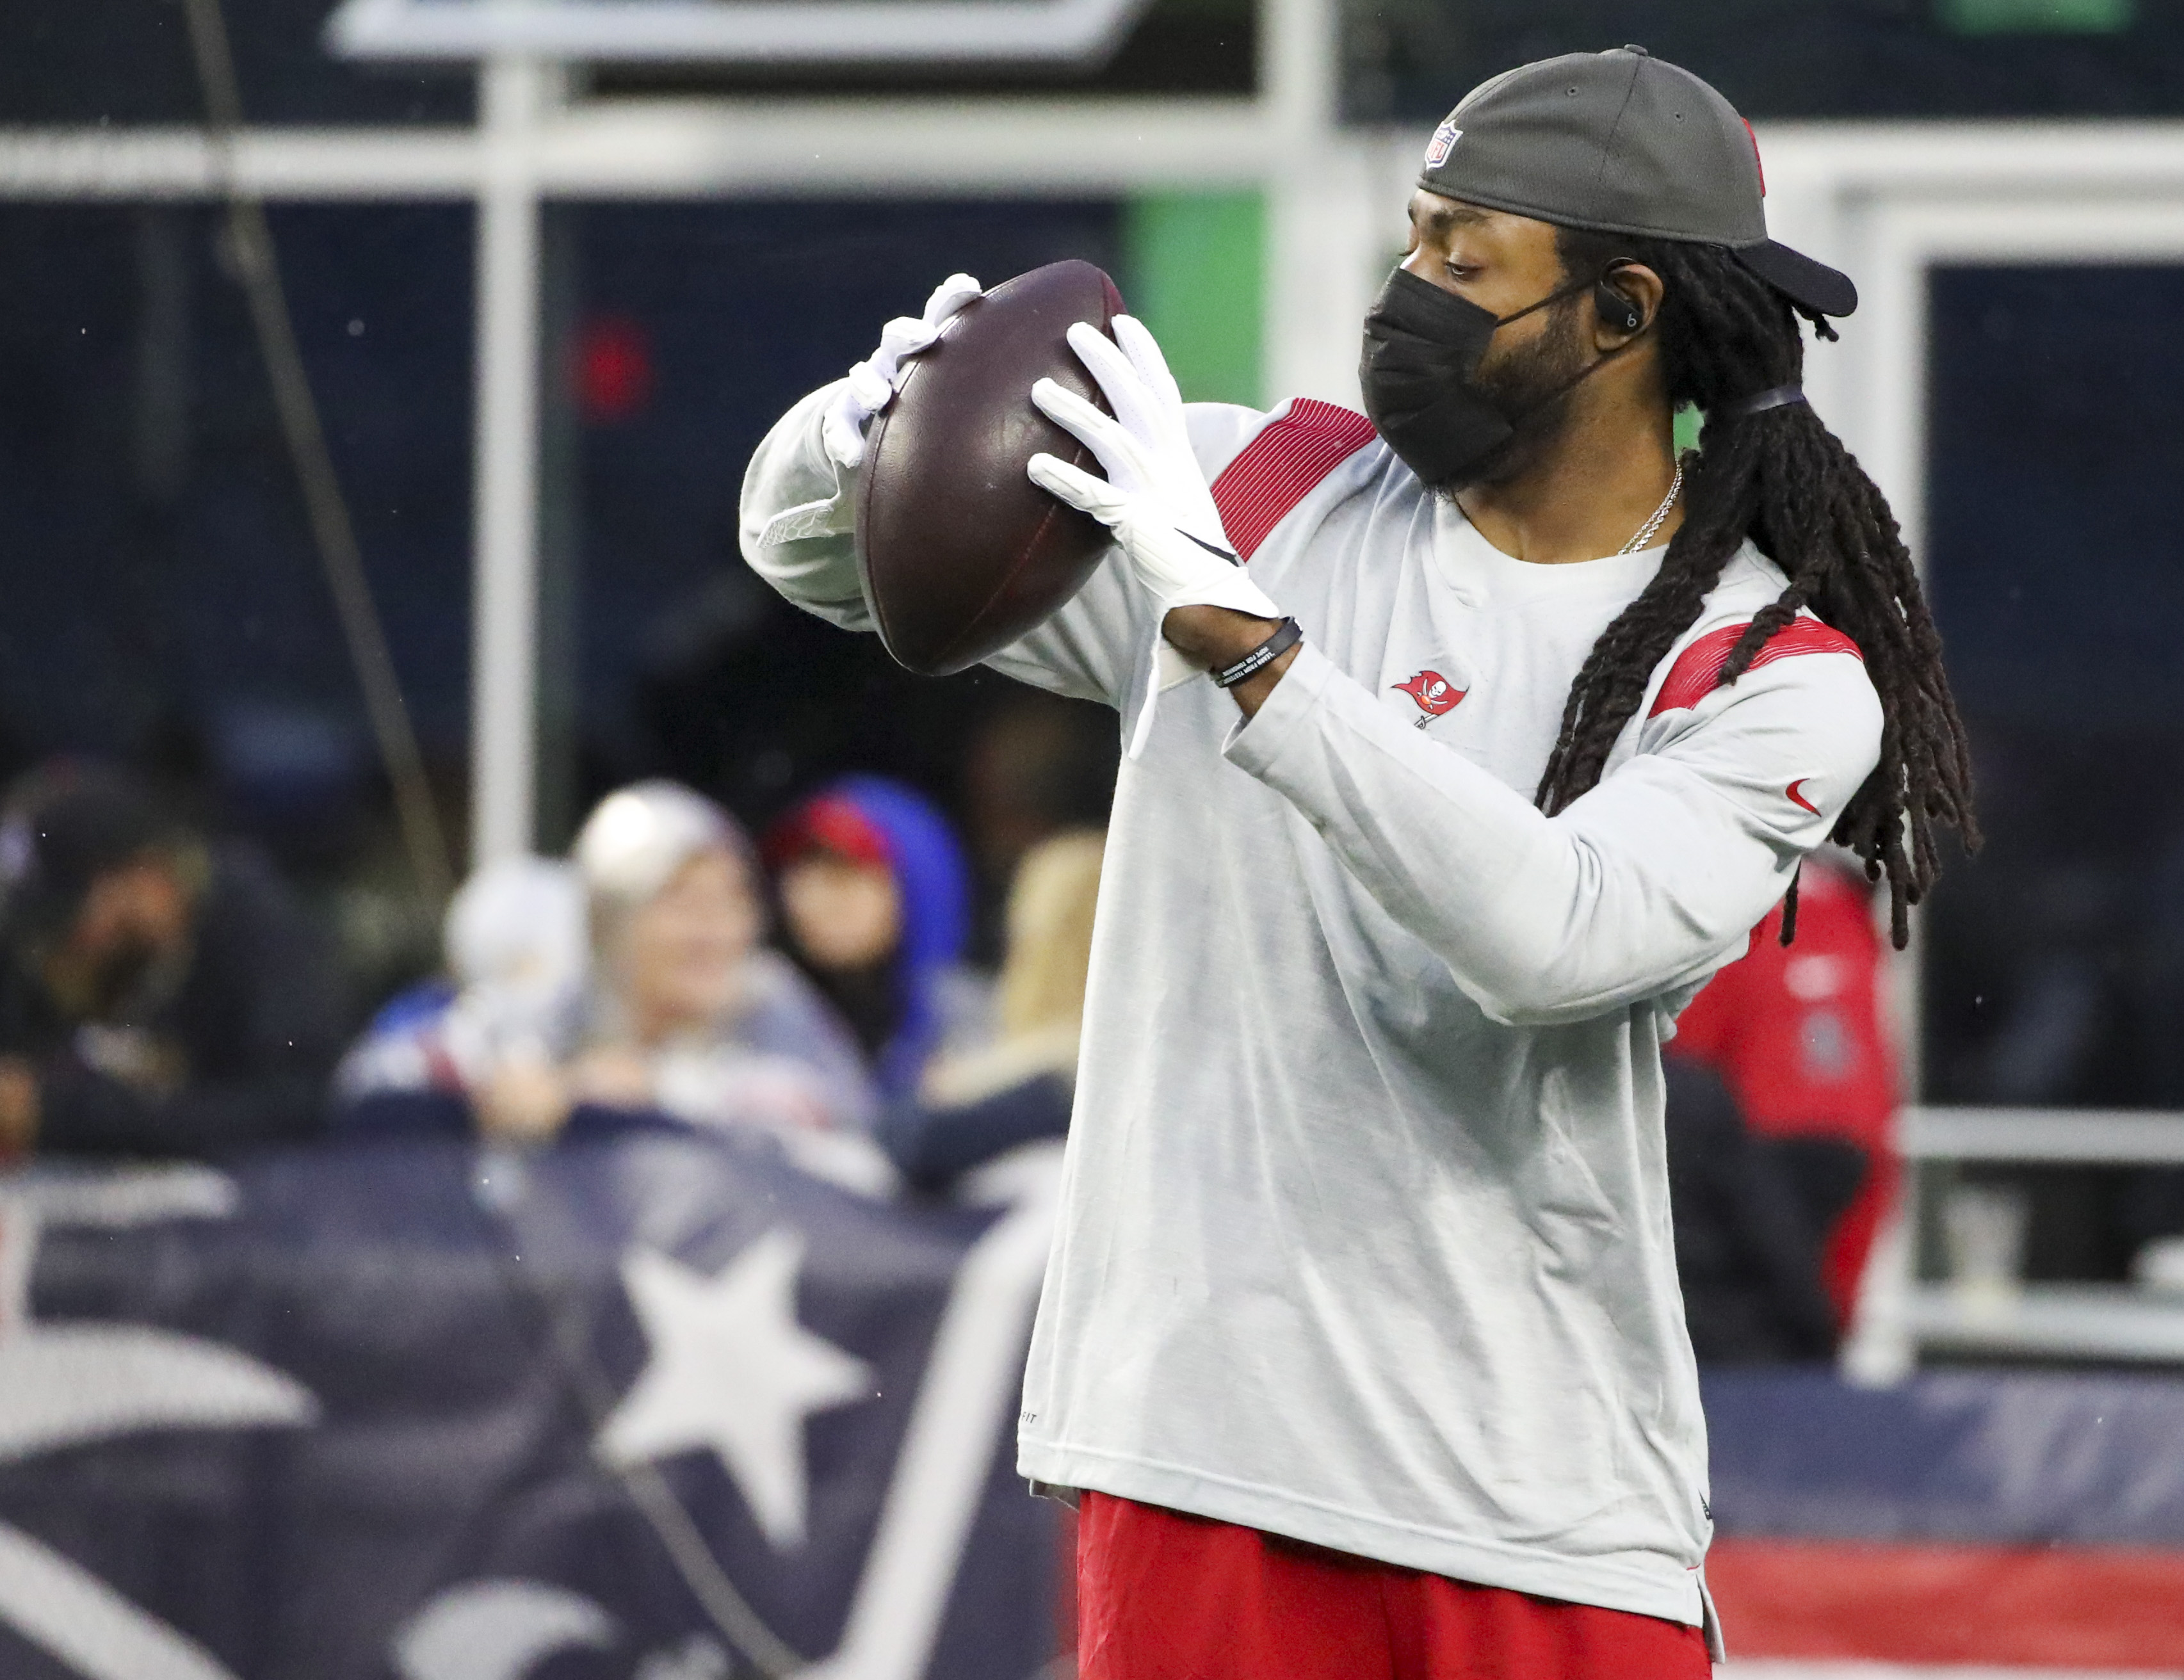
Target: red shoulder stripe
<point>1256,492</point>
<point>1696,672</point>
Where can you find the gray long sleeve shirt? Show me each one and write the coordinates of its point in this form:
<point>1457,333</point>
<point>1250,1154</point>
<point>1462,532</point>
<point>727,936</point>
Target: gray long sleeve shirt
<point>1365,1236</point>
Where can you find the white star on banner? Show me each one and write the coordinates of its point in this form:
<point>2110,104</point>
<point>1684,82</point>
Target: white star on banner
<point>731,1370</point>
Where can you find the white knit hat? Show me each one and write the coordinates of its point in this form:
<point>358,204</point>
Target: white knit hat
<point>638,836</point>
<point>517,922</point>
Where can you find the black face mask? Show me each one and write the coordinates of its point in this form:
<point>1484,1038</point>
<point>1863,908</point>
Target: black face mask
<point>1422,347</point>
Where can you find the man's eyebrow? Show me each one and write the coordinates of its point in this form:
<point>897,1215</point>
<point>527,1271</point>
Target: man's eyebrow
<point>1446,214</point>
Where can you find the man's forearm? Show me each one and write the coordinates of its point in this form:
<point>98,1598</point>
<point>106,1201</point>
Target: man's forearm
<point>1216,638</point>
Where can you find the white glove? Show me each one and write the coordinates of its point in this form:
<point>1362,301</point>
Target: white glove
<point>1154,498</point>
<point>873,381</point>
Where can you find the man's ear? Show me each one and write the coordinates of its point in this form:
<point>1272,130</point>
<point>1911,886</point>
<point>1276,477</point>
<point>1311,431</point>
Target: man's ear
<point>1624,303</point>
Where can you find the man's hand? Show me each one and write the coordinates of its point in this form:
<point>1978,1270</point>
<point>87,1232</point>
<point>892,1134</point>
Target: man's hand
<point>873,380</point>
<point>19,1107</point>
<point>1154,498</point>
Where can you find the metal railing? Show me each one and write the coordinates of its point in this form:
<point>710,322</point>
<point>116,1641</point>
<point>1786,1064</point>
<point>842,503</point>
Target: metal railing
<point>1905,1315</point>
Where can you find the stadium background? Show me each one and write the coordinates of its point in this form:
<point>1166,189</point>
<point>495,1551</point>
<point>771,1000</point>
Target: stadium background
<point>2005,178</point>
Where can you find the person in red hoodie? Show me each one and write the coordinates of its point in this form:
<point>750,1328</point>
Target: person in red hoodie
<point>1796,1033</point>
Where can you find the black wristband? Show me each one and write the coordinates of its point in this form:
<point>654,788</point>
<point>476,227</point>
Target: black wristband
<point>1285,639</point>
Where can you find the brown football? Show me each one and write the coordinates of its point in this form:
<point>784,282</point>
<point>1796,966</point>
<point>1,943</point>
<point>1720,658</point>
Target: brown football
<point>959,552</point>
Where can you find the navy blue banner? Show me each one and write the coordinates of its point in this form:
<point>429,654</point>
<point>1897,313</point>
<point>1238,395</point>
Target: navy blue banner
<point>659,1407</point>
<point>655,1408</point>
<point>2032,1458</point>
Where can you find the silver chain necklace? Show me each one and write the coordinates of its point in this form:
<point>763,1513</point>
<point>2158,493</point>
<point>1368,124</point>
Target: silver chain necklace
<point>1645,531</point>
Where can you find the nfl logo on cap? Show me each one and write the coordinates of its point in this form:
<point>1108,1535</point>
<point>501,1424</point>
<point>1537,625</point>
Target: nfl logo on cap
<point>1437,150</point>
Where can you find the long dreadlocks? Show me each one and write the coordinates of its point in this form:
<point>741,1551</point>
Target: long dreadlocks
<point>1784,479</point>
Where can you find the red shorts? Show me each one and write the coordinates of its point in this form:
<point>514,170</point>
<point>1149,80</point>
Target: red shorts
<point>1163,1596</point>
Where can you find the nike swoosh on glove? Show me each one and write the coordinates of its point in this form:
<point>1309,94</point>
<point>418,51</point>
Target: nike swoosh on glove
<point>1154,497</point>
<point>873,383</point>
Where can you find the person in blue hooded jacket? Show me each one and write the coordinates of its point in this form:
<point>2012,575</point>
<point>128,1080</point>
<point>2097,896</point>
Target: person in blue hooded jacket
<point>875,896</point>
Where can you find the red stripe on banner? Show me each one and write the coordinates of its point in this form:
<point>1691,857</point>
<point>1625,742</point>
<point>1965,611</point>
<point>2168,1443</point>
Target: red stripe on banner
<point>2079,1608</point>
<point>1256,491</point>
<point>1696,672</point>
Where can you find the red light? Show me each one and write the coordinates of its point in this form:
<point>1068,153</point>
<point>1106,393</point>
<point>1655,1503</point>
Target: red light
<point>613,370</point>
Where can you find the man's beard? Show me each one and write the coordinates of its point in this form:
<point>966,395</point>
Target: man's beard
<point>1532,388</point>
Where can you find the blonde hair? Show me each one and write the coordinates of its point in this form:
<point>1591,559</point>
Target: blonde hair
<point>1049,926</point>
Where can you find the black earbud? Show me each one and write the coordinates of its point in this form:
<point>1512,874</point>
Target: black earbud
<point>1615,310</point>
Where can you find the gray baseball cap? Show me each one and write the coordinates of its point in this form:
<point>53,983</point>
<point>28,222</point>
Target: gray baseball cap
<point>1621,141</point>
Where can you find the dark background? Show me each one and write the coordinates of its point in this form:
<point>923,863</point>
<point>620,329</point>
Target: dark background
<point>1410,60</point>
<point>127,61</point>
<point>2056,973</point>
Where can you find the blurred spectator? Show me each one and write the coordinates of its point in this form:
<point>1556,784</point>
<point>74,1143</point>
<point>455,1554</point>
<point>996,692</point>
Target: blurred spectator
<point>161,994</point>
<point>519,924</point>
<point>680,1012</point>
<point>1795,1036</point>
<point>876,895</point>
<point>515,945</point>
<point>1747,1250</point>
<point>974,1106</point>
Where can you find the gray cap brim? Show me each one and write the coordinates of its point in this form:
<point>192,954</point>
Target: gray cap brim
<point>1815,285</point>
